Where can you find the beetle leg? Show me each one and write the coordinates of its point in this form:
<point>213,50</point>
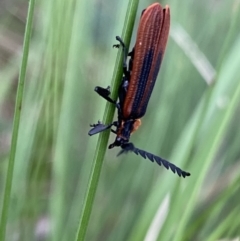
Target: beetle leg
<point>125,54</point>
<point>113,131</point>
<point>105,92</point>
<point>116,46</point>
<point>99,127</point>
<point>130,64</point>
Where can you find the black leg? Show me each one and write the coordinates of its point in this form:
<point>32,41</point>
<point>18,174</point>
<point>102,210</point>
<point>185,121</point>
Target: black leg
<point>99,127</point>
<point>125,54</point>
<point>105,92</point>
<point>113,131</point>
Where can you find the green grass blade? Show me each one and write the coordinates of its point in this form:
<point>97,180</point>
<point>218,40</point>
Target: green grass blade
<point>17,115</point>
<point>108,118</point>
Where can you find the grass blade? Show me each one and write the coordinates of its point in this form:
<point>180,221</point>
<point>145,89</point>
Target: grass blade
<point>17,115</point>
<point>108,118</point>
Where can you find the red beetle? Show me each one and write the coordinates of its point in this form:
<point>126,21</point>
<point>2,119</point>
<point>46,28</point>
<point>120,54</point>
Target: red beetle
<point>138,82</point>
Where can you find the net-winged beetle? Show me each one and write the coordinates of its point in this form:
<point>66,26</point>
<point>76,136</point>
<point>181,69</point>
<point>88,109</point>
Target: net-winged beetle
<point>138,81</point>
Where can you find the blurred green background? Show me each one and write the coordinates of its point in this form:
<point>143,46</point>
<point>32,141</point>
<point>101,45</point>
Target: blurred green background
<point>192,120</point>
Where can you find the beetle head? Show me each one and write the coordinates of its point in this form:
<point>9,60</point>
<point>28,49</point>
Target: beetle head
<point>119,141</point>
<point>124,131</point>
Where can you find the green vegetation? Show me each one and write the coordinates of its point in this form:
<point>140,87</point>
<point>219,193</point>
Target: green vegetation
<point>192,120</point>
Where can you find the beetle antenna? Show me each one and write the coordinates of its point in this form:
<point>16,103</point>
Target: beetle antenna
<point>130,147</point>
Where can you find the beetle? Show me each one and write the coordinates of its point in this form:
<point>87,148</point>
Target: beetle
<point>138,80</point>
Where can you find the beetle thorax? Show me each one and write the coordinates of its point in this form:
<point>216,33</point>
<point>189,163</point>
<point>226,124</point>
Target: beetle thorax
<point>124,131</point>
